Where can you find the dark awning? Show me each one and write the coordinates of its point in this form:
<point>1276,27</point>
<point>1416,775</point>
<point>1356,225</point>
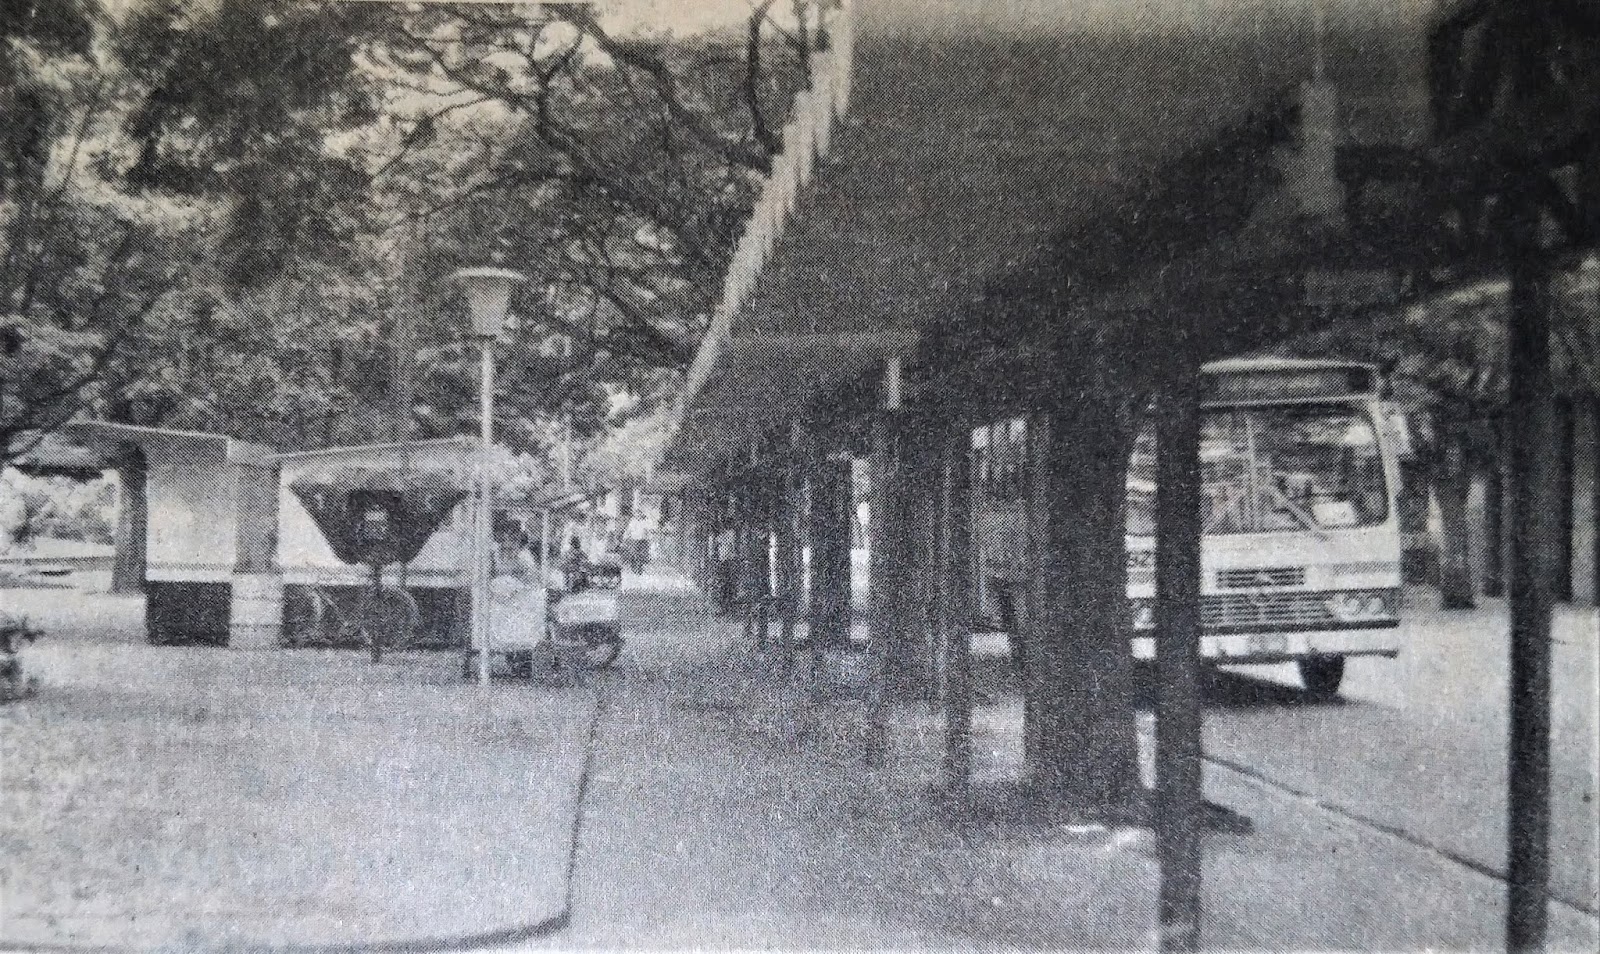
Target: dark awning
<point>995,153</point>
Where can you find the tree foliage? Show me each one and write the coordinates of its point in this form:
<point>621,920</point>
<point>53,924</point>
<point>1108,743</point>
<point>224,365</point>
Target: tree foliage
<point>82,262</point>
<point>242,215</point>
<point>403,142</point>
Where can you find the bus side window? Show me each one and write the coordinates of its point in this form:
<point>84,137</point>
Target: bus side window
<point>982,460</point>
<point>1018,428</point>
<point>1000,472</point>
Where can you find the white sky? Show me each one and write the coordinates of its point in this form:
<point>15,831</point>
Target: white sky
<point>675,16</point>
<point>687,17</point>
<point>679,16</point>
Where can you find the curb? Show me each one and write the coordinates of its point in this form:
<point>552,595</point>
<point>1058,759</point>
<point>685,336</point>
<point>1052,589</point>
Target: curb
<point>1370,826</point>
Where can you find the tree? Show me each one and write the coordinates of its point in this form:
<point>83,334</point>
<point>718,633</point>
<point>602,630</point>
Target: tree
<point>1509,177</point>
<point>83,263</point>
<point>615,170</point>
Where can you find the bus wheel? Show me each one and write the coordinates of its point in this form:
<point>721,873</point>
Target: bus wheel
<point>1322,675</point>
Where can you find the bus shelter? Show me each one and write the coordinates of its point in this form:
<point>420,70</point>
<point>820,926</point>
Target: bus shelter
<point>195,530</point>
<point>1058,212</point>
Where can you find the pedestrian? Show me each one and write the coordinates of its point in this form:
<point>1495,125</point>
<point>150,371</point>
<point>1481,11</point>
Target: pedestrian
<point>517,595</point>
<point>575,568</point>
<point>727,575</point>
<point>511,556</point>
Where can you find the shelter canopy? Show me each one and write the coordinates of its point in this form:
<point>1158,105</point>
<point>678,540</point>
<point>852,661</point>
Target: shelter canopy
<point>998,156</point>
<point>84,448</point>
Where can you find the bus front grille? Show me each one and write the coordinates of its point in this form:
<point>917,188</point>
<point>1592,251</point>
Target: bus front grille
<point>1256,610</point>
<point>1239,579</point>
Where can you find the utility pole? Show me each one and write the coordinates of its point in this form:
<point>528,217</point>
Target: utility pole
<point>1532,449</point>
<point>1531,404</point>
<point>1179,800</point>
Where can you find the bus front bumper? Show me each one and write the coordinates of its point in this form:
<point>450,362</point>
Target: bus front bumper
<point>1286,647</point>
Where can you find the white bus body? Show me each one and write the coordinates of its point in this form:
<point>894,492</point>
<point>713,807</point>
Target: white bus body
<point>1301,553</point>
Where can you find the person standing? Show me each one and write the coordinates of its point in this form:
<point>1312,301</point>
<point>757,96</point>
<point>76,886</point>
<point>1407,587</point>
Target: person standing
<point>575,567</point>
<point>727,571</point>
<point>519,609</point>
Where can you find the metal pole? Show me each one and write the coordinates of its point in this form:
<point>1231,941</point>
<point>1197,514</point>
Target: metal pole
<point>485,508</point>
<point>878,596</point>
<point>375,620</point>
<point>1531,440</point>
<point>886,578</point>
<point>544,546</point>
<point>1178,797</point>
<point>566,450</point>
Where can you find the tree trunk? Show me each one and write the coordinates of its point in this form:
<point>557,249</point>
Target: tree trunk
<point>133,519</point>
<point>1082,746</point>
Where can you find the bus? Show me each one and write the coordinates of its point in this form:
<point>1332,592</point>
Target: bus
<point>1302,547</point>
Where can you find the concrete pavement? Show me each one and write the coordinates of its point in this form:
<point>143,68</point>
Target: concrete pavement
<point>200,799</point>
<point>729,811</point>
<point>1418,743</point>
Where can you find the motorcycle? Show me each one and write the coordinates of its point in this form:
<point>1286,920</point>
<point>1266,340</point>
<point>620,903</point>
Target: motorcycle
<point>15,684</point>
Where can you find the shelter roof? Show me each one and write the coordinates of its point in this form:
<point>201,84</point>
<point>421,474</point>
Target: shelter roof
<point>360,449</point>
<point>80,448</point>
<point>53,456</point>
<point>994,156</point>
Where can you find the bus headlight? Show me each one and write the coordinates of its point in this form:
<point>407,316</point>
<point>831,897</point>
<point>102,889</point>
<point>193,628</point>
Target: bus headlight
<point>1359,606</point>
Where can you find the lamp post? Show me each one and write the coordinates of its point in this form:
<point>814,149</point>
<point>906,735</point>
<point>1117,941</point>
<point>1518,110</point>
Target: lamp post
<point>488,293</point>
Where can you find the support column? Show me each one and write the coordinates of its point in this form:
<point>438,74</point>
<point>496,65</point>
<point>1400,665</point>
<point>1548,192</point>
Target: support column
<point>883,580</point>
<point>725,552</point>
<point>889,579</point>
<point>1080,733</point>
<point>829,532</point>
<point>956,571</point>
<point>1179,805</point>
<point>918,507</point>
<point>749,542</point>
<point>692,536</point>
<point>1532,474</point>
<point>1585,541</point>
<point>133,520</point>
<point>787,526</point>
<point>758,544</point>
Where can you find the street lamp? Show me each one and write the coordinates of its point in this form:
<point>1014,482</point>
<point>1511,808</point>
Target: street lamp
<point>488,293</point>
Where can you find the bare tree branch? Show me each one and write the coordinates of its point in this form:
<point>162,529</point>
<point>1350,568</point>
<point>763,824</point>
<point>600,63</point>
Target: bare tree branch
<point>666,84</point>
<point>752,79</point>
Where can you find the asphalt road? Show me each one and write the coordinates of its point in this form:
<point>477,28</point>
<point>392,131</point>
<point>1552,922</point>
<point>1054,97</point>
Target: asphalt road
<point>1417,745</point>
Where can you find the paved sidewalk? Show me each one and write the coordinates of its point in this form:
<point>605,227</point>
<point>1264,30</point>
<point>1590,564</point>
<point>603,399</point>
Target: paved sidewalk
<point>199,798</point>
<point>728,811</point>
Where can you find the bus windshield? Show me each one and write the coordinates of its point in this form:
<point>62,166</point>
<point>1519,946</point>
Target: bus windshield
<point>1275,468</point>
